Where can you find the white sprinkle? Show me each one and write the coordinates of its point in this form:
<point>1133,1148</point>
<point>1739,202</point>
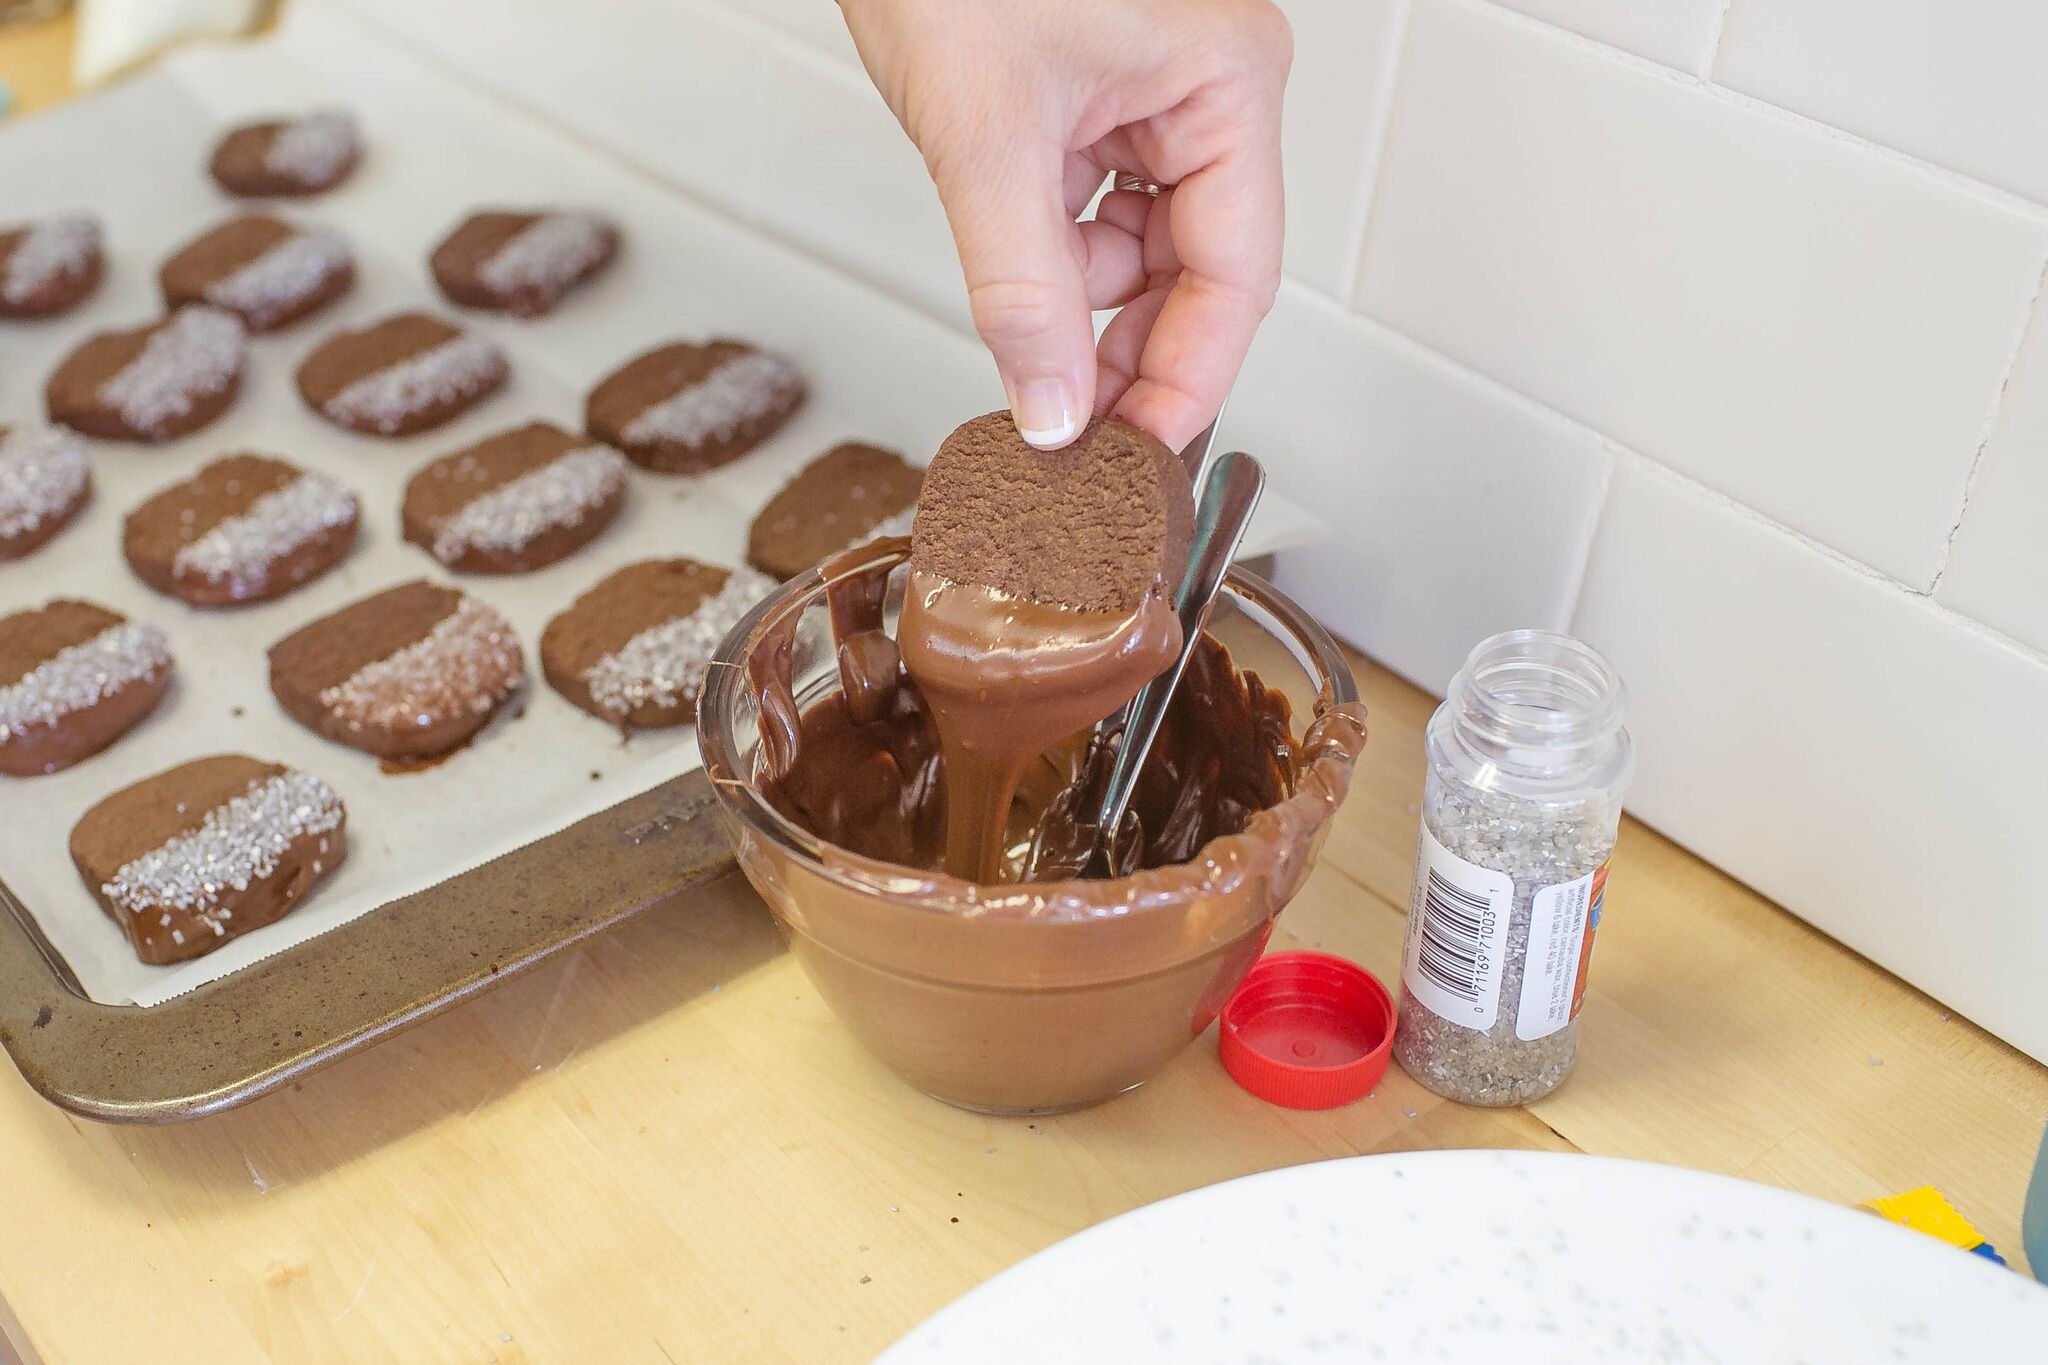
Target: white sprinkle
<point>550,253</point>
<point>742,390</point>
<point>312,149</point>
<point>240,549</point>
<point>896,524</point>
<point>281,278</point>
<point>197,353</point>
<point>78,676</point>
<point>468,662</point>
<point>42,474</point>
<point>559,493</point>
<point>457,368</point>
<point>665,664</point>
<point>53,247</point>
<point>236,846</point>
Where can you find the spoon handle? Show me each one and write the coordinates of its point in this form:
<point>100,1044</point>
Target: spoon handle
<point>1229,494</point>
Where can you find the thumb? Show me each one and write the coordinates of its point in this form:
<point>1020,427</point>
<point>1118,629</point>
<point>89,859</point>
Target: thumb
<point>1025,287</point>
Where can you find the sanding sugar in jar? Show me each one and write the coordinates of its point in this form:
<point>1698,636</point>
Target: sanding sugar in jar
<point>1528,759</point>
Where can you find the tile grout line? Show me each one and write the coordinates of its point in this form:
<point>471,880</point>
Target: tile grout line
<point>1380,118</point>
<point>1714,37</point>
<point>2012,365</point>
<point>1953,180</point>
<point>1950,616</point>
<point>1588,539</point>
<point>1618,452</point>
<point>1524,402</point>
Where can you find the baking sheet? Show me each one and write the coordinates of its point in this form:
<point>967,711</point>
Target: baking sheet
<point>437,149</point>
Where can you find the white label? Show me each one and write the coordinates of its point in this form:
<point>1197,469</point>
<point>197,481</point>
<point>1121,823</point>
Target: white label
<point>1458,935</point>
<point>1557,931</point>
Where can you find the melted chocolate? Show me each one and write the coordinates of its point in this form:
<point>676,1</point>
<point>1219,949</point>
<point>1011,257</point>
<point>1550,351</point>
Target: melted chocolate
<point>1006,679</point>
<point>869,767</point>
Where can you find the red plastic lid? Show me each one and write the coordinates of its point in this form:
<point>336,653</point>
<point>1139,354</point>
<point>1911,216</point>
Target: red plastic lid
<point>1307,1030</point>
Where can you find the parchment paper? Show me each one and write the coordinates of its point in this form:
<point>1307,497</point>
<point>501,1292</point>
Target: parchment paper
<point>437,149</point>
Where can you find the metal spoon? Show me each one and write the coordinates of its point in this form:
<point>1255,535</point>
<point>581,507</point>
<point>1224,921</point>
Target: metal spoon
<point>1229,493</point>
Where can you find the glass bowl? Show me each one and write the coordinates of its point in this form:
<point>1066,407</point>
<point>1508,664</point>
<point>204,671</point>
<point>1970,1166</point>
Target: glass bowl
<point>1019,999</point>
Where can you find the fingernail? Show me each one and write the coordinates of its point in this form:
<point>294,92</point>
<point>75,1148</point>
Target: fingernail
<point>1045,411</point>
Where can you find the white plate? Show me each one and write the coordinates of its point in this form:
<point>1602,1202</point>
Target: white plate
<point>1507,1258</point>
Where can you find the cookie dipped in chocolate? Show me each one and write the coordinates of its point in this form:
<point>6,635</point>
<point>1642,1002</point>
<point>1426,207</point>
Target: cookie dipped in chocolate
<point>1039,602</point>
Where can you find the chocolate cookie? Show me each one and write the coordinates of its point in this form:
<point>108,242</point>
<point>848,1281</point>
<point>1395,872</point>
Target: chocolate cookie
<point>685,408</point>
<point>208,851</point>
<point>302,155</point>
<point>633,649</point>
<point>522,263</point>
<point>244,529</point>
<point>1095,526</point>
<point>49,266</point>
<point>414,670</point>
<point>405,374</point>
<point>73,679</point>
<point>516,501</point>
<point>44,480</point>
<point>262,269</point>
<point>151,383</point>
<point>850,494</point>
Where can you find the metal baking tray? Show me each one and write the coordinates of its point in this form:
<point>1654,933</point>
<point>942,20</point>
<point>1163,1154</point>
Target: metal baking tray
<point>248,1033</point>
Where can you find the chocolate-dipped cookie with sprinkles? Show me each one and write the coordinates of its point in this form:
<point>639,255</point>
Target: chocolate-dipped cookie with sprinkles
<point>516,501</point>
<point>407,373</point>
<point>49,266</point>
<point>633,650</point>
<point>287,157</point>
<point>521,263</point>
<point>74,677</point>
<point>206,852</point>
<point>246,528</point>
<point>686,408</point>
<point>262,269</point>
<point>151,383</point>
<point>412,671</point>
<point>44,481</point>
<point>851,494</point>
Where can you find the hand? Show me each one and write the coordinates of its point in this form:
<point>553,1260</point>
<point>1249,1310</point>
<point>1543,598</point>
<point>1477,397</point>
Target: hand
<point>1020,108</point>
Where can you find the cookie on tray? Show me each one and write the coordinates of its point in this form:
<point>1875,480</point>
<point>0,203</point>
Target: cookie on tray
<point>207,851</point>
<point>851,494</point>
<point>262,269</point>
<point>633,649</point>
<point>44,481</point>
<point>74,677</point>
<point>286,157</point>
<point>246,528</point>
<point>151,383</point>
<point>686,408</point>
<point>49,266</point>
<point>515,501</point>
<point>522,263</point>
<point>407,373</point>
<point>411,671</point>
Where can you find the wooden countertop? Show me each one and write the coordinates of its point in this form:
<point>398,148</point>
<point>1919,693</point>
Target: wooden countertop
<point>662,1146</point>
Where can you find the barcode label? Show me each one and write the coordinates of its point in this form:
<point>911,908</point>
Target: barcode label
<point>1457,934</point>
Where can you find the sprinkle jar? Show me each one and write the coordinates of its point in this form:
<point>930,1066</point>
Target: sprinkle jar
<point>1528,758</point>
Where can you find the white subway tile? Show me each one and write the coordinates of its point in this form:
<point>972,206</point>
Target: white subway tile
<point>1344,55</point>
<point>730,113</point>
<point>1678,33</point>
<point>1458,510</point>
<point>1958,83</point>
<point>816,22</point>
<point>1998,567</point>
<point>1792,318</point>
<point>1868,760</point>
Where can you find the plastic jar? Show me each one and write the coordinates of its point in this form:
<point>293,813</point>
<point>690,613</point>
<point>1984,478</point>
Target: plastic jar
<point>1528,758</point>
